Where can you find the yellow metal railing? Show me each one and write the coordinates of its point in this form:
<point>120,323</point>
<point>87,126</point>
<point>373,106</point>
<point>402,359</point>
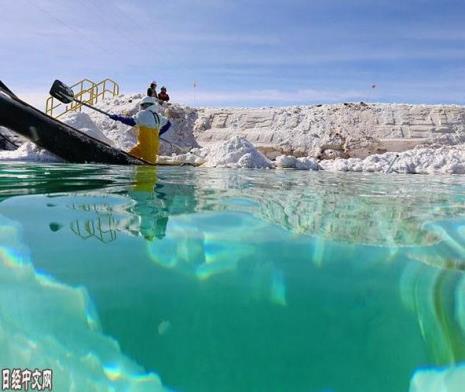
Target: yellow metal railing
<point>86,91</point>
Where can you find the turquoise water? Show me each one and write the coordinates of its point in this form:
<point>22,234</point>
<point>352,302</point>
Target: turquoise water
<point>230,280</point>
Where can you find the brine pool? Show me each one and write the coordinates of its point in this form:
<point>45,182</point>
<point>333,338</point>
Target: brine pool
<point>187,279</point>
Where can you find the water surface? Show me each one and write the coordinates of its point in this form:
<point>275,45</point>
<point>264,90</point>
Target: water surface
<point>242,280</point>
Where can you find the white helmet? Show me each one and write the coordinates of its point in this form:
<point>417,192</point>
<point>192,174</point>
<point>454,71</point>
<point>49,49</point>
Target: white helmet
<point>148,103</point>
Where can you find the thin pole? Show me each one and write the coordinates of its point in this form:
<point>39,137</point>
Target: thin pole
<point>195,86</point>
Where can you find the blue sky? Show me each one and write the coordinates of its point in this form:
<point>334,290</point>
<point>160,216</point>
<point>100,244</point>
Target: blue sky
<point>241,53</point>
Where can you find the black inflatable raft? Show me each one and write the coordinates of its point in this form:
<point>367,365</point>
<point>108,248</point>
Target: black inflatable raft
<point>60,139</point>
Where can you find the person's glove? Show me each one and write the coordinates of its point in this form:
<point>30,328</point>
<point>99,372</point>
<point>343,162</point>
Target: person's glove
<point>165,128</point>
<point>125,120</point>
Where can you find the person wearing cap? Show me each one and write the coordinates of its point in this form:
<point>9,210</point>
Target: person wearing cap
<point>163,96</point>
<point>151,126</point>
<point>152,90</point>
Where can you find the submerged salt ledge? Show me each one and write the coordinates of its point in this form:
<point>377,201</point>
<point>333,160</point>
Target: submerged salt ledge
<point>439,380</point>
<point>54,326</point>
<point>346,137</point>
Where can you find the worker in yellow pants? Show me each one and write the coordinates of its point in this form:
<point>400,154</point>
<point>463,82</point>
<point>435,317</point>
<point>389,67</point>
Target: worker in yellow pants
<point>150,208</point>
<point>151,126</point>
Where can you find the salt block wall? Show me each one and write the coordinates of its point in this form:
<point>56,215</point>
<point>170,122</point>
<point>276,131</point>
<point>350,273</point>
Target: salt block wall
<point>347,129</point>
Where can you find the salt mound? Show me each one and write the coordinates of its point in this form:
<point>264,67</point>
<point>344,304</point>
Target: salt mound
<point>237,152</point>
<point>54,326</point>
<point>84,123</point>
<point>443,160</point>
<point>190,158</point>
<point>79,120</point>
<point>96,134</point>
<point>290,162</point>
<point>29,152</point>
<point>121,136</point>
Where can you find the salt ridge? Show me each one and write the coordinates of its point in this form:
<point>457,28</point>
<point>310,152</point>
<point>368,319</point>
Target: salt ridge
<point>428,139</point>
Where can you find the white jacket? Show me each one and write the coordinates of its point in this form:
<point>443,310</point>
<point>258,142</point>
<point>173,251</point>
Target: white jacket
<point>149,119</point>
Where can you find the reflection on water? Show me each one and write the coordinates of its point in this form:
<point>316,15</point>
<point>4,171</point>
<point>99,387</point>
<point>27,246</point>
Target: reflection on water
<point>434,295</point>
<point>256,280</point>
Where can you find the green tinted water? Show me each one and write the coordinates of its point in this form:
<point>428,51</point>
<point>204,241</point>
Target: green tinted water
<point>237,280</point>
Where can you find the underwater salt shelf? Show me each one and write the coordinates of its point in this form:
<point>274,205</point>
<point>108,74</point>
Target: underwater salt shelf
<point>45,324</point>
